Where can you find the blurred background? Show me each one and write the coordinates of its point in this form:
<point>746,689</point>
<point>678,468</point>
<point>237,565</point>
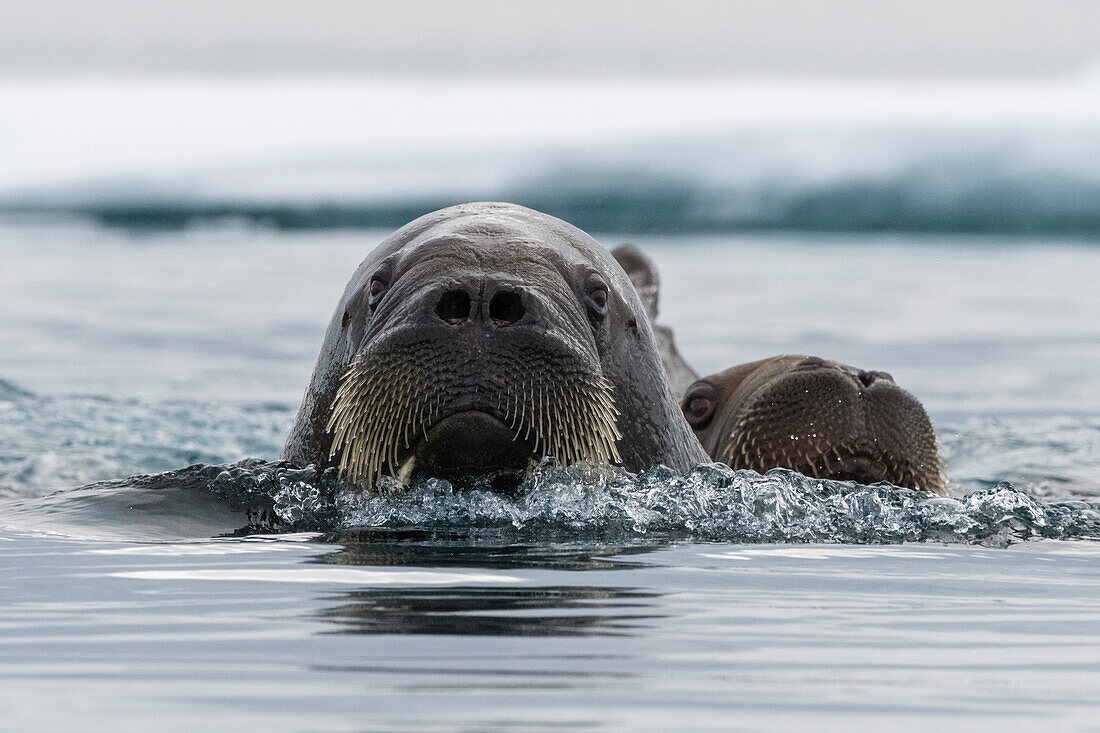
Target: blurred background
<point>914,187</point>
<point>974,116</point>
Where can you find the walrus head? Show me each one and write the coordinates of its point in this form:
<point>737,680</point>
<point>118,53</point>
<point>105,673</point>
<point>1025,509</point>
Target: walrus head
<point>820,418</point>
<point>482,338</point>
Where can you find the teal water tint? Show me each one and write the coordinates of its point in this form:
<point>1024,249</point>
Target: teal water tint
<point>591,599</point>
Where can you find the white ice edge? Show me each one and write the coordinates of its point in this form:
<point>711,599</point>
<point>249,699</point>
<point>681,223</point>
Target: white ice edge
<point>64,130</point>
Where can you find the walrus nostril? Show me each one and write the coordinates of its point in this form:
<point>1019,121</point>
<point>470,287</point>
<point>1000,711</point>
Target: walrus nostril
<point>506,307</point>
<point>867,378</point>
<point>454,306</point>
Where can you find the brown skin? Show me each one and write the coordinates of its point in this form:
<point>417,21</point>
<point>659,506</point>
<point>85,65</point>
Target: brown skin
<point>820,418</point>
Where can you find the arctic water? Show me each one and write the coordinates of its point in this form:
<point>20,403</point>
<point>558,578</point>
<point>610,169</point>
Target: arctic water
<point>592,599</point>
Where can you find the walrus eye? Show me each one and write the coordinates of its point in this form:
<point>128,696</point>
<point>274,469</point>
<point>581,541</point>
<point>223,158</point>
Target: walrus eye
<point>698,405</point>
<point>597,297</point>
<point>378,288</point>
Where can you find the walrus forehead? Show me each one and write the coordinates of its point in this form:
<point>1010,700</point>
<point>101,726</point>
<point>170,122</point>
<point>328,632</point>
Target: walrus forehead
<point>458,252</point>
<point>486,227</point>
<point>740,384</point>
<point>476,244</point>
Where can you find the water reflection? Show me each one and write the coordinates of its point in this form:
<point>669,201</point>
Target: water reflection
<point>469,549</point>
<point>565,610</point>
<point>480,611</point>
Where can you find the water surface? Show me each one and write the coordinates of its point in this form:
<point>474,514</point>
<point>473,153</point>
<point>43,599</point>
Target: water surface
<point>590,601</point>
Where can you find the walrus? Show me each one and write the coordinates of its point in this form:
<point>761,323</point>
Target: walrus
<point>482,338</point>
<point>643,275</point>
<point>818,417</point>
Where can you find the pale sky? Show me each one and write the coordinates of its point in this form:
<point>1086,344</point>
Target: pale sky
<point>568,37</point>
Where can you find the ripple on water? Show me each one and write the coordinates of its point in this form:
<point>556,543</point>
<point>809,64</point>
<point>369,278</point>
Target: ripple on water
<point>709,503</point>
<point>553,504</point>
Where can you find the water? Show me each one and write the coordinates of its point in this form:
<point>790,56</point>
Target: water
<point>590,600</point>
<point>290,635</point>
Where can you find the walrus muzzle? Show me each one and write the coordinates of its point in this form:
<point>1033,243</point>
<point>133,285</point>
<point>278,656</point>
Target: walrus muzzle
<point>402,408</point>
<point>820,418</point>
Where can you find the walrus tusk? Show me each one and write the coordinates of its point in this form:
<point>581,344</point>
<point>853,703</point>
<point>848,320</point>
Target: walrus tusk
<point>404,474</point>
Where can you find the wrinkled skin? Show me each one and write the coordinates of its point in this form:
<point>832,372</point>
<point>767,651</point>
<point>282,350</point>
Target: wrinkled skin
<point>481,337</point>
<point>820,418</point>
<point>643,274</point>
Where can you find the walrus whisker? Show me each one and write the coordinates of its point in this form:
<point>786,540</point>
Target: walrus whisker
<point>382,402</point>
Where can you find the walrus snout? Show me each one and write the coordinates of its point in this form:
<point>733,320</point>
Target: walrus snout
<point>861,377</point>
<point>473,370</point>
<point>818,417</point>
<point>504,307</point>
